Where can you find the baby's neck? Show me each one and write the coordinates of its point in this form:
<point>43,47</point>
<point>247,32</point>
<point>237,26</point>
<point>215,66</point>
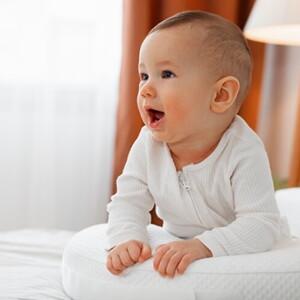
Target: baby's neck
<point>196,150</point>
<point>183,156</point>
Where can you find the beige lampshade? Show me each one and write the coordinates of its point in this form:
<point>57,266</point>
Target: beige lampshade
<point>274,22</point>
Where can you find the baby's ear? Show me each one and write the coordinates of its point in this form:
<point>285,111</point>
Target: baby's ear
<point>227,89</point>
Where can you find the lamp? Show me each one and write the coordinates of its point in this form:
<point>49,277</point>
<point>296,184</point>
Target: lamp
<point>278,22</point>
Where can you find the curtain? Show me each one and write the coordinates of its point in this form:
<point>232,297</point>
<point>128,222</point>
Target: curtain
<point>59,72</point>
<point>139,18</point>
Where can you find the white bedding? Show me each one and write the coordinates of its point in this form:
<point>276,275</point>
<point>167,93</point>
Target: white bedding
<point>272,275</point>
<point>30,267</point>
<point>30,264</point>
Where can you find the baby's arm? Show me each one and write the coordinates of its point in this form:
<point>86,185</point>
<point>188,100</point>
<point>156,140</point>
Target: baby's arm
<point>257,224</point>
<point>127,254</point>
<point>129,210</point>
<point>176,256</point>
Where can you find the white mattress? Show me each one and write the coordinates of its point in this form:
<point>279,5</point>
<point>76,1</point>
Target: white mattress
<point>270,275</point>
<point>288,201</point>
<point>30,264</point>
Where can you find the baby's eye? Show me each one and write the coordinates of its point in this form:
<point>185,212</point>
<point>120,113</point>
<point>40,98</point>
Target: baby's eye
<point>167,74</point>
<point>144,76</point>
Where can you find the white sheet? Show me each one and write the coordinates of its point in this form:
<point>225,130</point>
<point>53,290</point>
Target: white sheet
<point>30,264</point>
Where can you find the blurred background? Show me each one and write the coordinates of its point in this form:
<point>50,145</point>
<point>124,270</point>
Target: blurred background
<point>59,73</point>
<point>68,116</point>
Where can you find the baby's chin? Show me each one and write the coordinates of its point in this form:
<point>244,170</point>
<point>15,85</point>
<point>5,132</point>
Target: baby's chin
<point>157,135</point>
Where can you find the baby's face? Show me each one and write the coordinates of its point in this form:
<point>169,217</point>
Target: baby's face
<point>176,85</point>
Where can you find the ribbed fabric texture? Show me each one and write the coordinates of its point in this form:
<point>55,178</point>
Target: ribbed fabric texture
<point>227,200</point>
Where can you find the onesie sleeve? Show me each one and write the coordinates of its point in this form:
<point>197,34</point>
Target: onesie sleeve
<point>130,206</point>
<point>257,224</point>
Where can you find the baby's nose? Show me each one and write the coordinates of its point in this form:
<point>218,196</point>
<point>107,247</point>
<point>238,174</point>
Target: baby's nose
<point>148,90</point>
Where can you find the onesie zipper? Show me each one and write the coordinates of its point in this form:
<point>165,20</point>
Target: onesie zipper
<point>184,183</point>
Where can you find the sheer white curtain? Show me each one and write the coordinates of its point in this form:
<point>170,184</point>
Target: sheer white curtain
<point>59,71</point>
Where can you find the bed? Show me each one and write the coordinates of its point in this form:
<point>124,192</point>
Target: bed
<point>30,264</point>
<point>32,268</point>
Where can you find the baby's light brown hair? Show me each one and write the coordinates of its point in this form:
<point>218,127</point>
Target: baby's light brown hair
<point>225,48</point>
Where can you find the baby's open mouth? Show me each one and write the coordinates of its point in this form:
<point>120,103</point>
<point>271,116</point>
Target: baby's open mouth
<point>155,115</point>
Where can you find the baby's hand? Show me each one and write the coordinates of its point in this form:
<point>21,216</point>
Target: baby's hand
<point>176,256</point>
<point>127,254</point>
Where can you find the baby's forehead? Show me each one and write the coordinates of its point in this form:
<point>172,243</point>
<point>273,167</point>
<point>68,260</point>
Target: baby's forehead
<point>182,46</point>
<point>188,34</point>
<point>184,37</point>
<point>194,30</point>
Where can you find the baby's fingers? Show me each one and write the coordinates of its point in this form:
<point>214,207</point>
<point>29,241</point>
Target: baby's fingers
<point>184,263</point>
<point>134,251</point>
<point>159,253</point>
<point>117,263</point>
<point>110,266</point>
<point>146,252</point>
<point>126,260</point>
<point>173,264</point>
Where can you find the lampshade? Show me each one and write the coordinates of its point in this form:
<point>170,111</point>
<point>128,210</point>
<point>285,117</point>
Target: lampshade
<point>274,22</point>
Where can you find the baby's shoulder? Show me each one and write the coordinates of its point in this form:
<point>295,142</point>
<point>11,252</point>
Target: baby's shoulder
<point>241,133</point>
<point>242,143</point>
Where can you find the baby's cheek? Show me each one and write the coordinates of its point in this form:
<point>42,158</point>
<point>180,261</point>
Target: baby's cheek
<point>141,112</point>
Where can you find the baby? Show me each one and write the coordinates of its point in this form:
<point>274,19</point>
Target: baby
<point>205,170</point>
